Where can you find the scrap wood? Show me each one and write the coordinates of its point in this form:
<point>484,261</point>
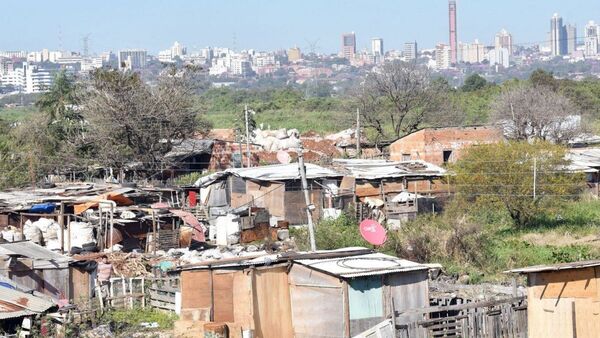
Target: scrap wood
<point>129,265</point>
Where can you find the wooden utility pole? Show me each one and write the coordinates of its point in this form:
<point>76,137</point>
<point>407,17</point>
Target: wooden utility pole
<point>309,205</point>
<point>357,134</point>
<point>247,137</point>
<point>534,177</point>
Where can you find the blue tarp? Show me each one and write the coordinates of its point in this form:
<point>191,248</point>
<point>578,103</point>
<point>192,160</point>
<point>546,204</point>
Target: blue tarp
<point>44,208</point>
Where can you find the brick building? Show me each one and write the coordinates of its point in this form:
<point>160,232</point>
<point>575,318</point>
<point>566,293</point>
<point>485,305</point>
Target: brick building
<point>441,145</point>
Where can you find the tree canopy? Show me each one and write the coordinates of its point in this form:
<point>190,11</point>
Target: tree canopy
<point>522,178</point>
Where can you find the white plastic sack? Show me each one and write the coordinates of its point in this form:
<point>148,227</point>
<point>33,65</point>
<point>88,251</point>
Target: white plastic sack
<point>32,232</point>
<point>82,233</point>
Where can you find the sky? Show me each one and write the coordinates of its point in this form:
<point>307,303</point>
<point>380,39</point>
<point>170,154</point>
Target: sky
<point>274,24</point>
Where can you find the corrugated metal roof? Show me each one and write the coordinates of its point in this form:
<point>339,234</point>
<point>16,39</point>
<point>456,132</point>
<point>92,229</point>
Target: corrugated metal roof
<point>15,303</point>
<point>31,250</point>
<point>587,158</point>
<point>377,169</point>
<point>556,267</point>
<point>363,265</point>
<point>278,172</point>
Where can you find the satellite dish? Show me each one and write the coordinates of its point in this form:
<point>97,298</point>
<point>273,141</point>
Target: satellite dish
<point>372,232</point>
<point>283,157</point>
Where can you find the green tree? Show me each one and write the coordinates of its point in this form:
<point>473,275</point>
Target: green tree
<point>542,78</point>
<point>522,178</point>
<point>474,82</point>
<point>130,121</point>
<point>65,125</point>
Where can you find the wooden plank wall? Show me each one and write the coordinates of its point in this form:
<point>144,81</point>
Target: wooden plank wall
<point>272,309</point>
<point>564,303</point>
<point>490,319</point>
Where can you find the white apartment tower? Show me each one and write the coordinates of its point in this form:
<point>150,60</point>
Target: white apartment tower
<point>592,39</point>
<point>132,59</point>
<point>410,51</point>
<point>443,56</point>
<point>377,46</point>
<point>504,40</point>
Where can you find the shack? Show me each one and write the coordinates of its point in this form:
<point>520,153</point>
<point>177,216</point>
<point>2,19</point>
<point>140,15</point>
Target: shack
<point>396,187</point>
<point>16,305</point>
<point>36,268</point>
<point>276,188</point>
<point>563,299</point>
<point>338,293</point>
<point>442,145</point>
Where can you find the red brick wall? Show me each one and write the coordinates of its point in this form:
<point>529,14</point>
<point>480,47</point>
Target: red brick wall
<point>430,144</point>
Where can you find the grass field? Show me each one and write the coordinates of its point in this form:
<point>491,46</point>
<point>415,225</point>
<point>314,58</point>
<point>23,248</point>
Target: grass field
<point>14,114</point>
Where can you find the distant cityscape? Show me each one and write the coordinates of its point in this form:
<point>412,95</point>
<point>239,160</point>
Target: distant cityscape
<point>33,71</point>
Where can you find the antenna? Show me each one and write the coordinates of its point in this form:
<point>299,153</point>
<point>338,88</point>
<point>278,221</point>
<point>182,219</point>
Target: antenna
<point>86,44</point>
<point>60,45</point>
<point>312,84</point>
<point>313,45</point>
<point>234,47</point>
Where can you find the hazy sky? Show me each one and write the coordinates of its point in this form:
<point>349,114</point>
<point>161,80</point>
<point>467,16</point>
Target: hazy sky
<point>273,24</point>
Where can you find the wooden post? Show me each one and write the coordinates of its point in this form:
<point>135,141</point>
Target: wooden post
<point>21,224</point>
<point>153,233</point>
<point>69,231</point>
<point>61,222</point>
<point>346,295</point>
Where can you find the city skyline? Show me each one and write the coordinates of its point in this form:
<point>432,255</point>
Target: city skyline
<point>264,25</point>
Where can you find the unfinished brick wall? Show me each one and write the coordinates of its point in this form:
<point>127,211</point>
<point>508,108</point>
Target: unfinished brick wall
<point>440,145</point>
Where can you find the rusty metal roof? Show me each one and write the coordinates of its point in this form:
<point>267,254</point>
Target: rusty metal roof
<point>14,303</point>
<point>556,267</point>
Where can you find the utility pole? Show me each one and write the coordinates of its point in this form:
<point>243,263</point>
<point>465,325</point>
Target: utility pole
<point>247,136</point>
<point>357,134</point>
<point>309,206</point>
<point>534,176</point>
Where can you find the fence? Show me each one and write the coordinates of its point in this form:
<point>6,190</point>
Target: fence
<point>505,318</point>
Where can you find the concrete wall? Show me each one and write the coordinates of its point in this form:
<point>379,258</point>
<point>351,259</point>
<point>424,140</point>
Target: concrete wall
<point>429,144</point>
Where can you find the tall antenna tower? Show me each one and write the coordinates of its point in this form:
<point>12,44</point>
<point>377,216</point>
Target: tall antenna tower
<point>86,45</point>
<point>313,46</point>
<point>60,45</point>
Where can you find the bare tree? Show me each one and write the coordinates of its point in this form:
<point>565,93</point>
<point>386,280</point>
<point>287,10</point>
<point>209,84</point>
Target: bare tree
<point>528,113</point>
<point>395,99</point>
<point>129,121</point>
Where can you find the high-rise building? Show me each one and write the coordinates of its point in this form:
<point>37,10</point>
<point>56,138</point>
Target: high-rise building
<point>558,36</point>
<point>592,38</point>
<point>294,54</point>
<point>471,52</point>
<point>571,38</point>
<point>443,56</point>
<point>348,46</point>
<point>177,50</point>
<point>500,57</point>
<point>132,59</point>
<point>453,31</point>
<point>377,46</point>
<point>504,40</point>
<point>410,50</point>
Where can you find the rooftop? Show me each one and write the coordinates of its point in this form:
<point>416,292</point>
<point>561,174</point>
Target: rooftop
<point>556,267</point>
<point>14,303</point>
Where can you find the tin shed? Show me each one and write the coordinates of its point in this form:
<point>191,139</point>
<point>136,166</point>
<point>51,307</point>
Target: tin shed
<point>563,299</point>
<point>338,293</point>
<point>361,291</point>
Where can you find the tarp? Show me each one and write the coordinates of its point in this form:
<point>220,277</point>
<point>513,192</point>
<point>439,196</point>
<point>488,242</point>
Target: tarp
<point>116,195</point>
<point>192,221</point>
<point>43,208</point>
